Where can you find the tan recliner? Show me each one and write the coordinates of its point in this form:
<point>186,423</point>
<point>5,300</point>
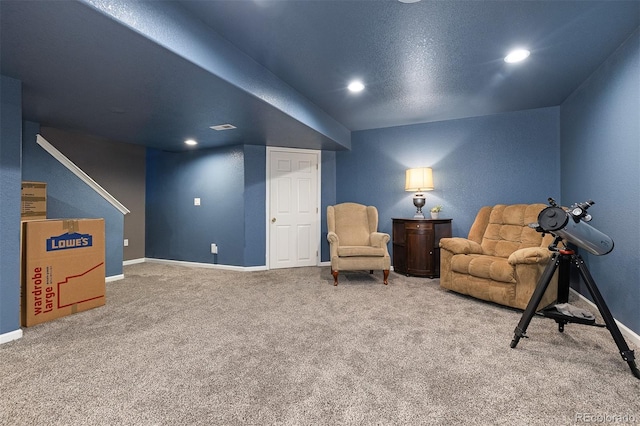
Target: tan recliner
<point>501,260</point>
<point>354,241</point>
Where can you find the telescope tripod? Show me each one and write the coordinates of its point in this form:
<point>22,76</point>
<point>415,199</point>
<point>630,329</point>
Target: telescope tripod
<point>564,259</point>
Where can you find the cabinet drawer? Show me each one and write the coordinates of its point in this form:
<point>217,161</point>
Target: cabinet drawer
<point>418,226</point>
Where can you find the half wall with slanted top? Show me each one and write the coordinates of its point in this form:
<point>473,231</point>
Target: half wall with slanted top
<point>73,194</point>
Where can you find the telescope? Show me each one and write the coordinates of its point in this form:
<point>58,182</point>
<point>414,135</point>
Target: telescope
<point>571,225</point>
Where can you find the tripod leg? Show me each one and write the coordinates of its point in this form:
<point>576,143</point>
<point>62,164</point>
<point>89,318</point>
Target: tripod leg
<point>564,272</point>
<point>626,353</point>
<point>532,306</point>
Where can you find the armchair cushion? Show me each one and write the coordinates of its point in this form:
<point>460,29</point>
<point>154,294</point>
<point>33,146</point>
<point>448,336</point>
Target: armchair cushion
<point>369,251</point>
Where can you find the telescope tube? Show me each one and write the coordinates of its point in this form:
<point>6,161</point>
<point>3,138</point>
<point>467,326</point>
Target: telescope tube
<point>563,224</point>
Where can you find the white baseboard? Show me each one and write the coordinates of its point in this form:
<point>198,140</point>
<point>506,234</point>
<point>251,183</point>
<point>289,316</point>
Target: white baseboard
<point>205,265</point>
<point>626,331</point>
<point>12,335</point>
<point>208,265</point>
<point>114,278</point>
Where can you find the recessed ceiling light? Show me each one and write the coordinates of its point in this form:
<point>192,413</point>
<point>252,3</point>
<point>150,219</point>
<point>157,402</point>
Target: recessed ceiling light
<point>223,127</point>
<point>408,1</point>
<point>356,86</point>
<point>190,142</point>
<point>517,55</point>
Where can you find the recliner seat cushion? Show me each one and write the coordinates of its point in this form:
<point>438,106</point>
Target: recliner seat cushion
<point>483,266</point>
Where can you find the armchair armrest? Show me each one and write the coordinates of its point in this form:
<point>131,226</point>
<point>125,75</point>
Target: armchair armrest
<point>379,239</point>
<point>458,245</point>
<point>530,255</point>
<point>332,237</point>
<point>334,242</point>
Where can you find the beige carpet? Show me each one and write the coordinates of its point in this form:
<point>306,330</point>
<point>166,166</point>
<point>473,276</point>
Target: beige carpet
<point>188,346</point>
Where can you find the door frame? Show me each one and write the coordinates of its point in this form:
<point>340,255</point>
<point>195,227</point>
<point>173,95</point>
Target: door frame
<point>267,215</point>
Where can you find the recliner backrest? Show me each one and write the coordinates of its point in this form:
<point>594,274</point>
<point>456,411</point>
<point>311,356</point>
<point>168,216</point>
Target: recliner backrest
<point>505,228</point>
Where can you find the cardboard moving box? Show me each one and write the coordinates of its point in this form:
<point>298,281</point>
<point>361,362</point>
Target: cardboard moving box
<point>34,200</point>
<point>63,270</point>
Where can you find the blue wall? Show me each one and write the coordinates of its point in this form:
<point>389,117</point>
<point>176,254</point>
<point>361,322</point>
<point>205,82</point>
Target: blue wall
<point>255,170</point>
<point>232,187</point>
<point>178,230</point>
<point>327,198</point>
<point>505,158</point>
<point>69,197</point>
<point>10,177</point>
<point>601,161</point>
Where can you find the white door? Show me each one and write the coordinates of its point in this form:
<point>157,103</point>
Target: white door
<point>293,229</point>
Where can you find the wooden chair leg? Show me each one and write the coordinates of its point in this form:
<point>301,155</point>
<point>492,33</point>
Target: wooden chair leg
<point>335,277</point>
<point>371,271</point>
<point>386,276</point>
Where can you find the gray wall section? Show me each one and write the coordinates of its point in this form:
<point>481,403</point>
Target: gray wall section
<point>601,161</point>
<point>10,177</point>
<point>70,197</point>
<point>119,168</point>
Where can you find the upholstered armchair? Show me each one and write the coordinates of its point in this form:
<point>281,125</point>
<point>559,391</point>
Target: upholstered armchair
<point>501,260</point>
<point>354,241</point>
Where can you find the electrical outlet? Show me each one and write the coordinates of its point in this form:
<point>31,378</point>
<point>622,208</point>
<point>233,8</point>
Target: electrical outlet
<point>126,242</point>
<point>214,248</point>
<point>196,201</point>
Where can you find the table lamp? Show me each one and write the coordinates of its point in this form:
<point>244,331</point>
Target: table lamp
<point>419,180</point>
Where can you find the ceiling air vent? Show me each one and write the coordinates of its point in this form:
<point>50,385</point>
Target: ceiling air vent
<point>223,127</point>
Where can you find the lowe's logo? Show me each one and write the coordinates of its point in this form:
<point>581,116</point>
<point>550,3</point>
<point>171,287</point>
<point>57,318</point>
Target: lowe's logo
<point>69,241</point>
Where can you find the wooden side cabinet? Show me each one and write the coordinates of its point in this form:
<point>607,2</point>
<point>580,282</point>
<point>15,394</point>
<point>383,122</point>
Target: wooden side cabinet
<point>416,243</point>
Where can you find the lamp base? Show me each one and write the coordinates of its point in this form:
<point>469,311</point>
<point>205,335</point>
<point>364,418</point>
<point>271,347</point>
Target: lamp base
<point>419,201</point>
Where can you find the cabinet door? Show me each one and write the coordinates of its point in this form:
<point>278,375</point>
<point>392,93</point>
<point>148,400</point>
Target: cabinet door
<point>420,248</point>
<point>399,247</point>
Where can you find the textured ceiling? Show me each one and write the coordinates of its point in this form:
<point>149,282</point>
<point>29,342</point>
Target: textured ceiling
<point>156,73</point>
<point>426,61</point>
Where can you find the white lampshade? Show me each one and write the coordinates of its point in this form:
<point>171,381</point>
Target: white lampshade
<point>418,180</point>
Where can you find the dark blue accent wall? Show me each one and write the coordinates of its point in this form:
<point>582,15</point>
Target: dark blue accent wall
<point>255,170</point>
<point>69,197</point>
<point>504,158</point>
<point>10,177</point>
<point>178,230</point>
<point>327,198</point>
<point>601,161</point>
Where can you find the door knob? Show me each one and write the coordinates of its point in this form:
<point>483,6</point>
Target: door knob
<point>273,220</point>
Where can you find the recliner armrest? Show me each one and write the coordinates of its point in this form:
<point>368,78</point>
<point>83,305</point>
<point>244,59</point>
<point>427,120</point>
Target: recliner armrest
<point>458,245</point>
<point>530,255</point>
<point>379,239</point>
